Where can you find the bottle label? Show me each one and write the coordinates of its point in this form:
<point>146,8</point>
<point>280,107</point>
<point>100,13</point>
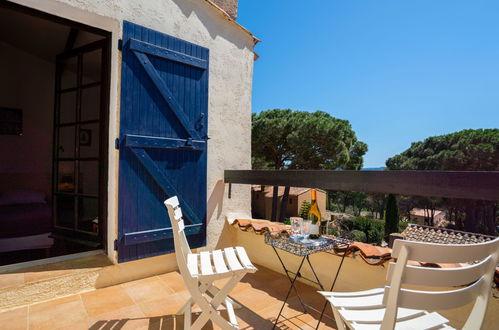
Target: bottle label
<point>314,229</point>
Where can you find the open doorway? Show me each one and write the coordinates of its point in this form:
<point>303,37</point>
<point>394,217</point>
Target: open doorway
<point>54,103</point>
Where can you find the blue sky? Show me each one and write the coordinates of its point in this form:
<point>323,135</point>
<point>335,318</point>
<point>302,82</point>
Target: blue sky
<point>399,71</point>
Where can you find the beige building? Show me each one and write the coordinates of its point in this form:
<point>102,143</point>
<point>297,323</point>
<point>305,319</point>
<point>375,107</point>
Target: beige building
<point>261,201</point>
<point>422,217</point>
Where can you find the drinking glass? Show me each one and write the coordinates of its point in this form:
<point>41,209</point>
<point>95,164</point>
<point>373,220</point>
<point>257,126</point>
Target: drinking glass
<point>306,227</point>
<point>296,225</point>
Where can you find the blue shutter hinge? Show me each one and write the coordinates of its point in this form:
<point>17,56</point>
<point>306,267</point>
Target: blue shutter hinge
<point>115,245</point>
<point>120,44</point>
<point>200,125</point>
<point>189,142</point>
<point>117,144</point>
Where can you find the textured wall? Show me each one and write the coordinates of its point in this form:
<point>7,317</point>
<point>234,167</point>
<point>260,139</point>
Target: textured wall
<point>231,70</point>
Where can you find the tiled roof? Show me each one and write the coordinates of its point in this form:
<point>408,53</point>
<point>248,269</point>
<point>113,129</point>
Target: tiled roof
<point>260,226</point>
<point>441,235</point>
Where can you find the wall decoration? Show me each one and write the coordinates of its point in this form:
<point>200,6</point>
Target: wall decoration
<point>11,121</point>
<point>85,137</point>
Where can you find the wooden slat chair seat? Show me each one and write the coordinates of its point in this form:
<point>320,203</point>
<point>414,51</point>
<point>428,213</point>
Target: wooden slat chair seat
<point>199,270</point>
<point>396,307</point>
<point>218,264</point>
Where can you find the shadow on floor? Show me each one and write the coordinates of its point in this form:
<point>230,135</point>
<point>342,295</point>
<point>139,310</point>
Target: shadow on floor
<point>171,322</point>
<point>277,285</point>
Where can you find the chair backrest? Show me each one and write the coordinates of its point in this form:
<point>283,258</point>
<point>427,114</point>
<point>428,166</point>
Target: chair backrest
<point>182,248</point>
<point>472,279</point>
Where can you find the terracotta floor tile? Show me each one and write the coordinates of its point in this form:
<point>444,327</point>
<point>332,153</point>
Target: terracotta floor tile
<point>130,317</point>
<point>241,286</point>
<point>248,319</point>
<point>147,289</point>
<point>105,300</point>
<point>152,302</point>
<point>57,313</point>
<point>75,326</point>
<point>8,280</point>
<point>174,281</point>
<point>254,300</point>
<point>166,322</point>
<point>14,319</point>
<point>171,322</point>
<point>163,306</point>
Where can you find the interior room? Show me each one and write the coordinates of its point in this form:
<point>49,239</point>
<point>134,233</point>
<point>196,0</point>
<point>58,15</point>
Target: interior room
<point>53,129</point>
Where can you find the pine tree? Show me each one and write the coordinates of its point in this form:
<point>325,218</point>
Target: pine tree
<point>391,216</point>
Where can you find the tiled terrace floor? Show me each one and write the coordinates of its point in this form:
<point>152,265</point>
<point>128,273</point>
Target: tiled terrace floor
<point>151,303</point>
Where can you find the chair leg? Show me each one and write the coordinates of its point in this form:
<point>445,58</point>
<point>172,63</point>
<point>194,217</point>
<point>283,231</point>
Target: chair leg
<point>186,310</point>
<point>208,310</point>
<point>214,291</point>
<point>199,296</point>
<point>187,304</point>
<point>187,317</point>
<point>222,294</point>
<point>339,321</point>
<point>201,321</point>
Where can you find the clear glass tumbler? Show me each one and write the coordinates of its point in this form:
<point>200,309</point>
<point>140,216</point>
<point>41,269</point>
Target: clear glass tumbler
<point>296,225</point>
<point>306,227</point>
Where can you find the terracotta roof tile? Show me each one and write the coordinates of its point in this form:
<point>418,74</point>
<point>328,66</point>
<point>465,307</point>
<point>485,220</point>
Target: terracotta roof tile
<point>441,235</point>
<point>260,226</point>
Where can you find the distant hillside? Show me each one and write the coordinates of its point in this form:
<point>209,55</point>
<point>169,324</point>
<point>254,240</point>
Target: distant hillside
<point>382,168</point>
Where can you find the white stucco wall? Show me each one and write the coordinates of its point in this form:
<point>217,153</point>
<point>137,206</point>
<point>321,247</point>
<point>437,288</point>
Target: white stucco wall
<point>230,82</point>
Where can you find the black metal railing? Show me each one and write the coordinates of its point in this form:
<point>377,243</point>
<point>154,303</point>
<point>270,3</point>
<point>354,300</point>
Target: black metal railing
<point>476,185</point>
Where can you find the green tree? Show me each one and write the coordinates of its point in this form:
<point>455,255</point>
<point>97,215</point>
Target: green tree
<point>466,150</point>
<point>287,139</point>
<point>305,207</point>
<point>375,203</point>
<point>372,228</point>
<point>391,216</point>
<point>353,201</point>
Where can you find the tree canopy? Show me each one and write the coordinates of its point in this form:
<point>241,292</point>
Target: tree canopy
<point>466,150</point>
<point>391,216</point>
<point>287,139</point>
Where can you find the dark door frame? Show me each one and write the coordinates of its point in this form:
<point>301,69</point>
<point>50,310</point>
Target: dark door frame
<point>103,135</point>
<point>105,103</point>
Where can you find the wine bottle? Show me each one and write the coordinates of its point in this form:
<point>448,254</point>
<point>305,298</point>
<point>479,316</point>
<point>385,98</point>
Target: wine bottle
<point>314,215</point>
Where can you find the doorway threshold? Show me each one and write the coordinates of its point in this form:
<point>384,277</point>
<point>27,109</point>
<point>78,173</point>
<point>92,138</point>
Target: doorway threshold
<point>50,260</point>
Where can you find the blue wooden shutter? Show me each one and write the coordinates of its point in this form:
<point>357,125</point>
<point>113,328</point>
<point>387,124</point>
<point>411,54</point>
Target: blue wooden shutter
<point>163,137</point>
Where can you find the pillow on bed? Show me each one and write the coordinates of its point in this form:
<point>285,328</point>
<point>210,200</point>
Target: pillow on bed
<point>21,196</point>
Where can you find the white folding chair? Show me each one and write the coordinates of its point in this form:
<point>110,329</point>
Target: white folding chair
<point>199,270</point>
<point>397,307</point>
